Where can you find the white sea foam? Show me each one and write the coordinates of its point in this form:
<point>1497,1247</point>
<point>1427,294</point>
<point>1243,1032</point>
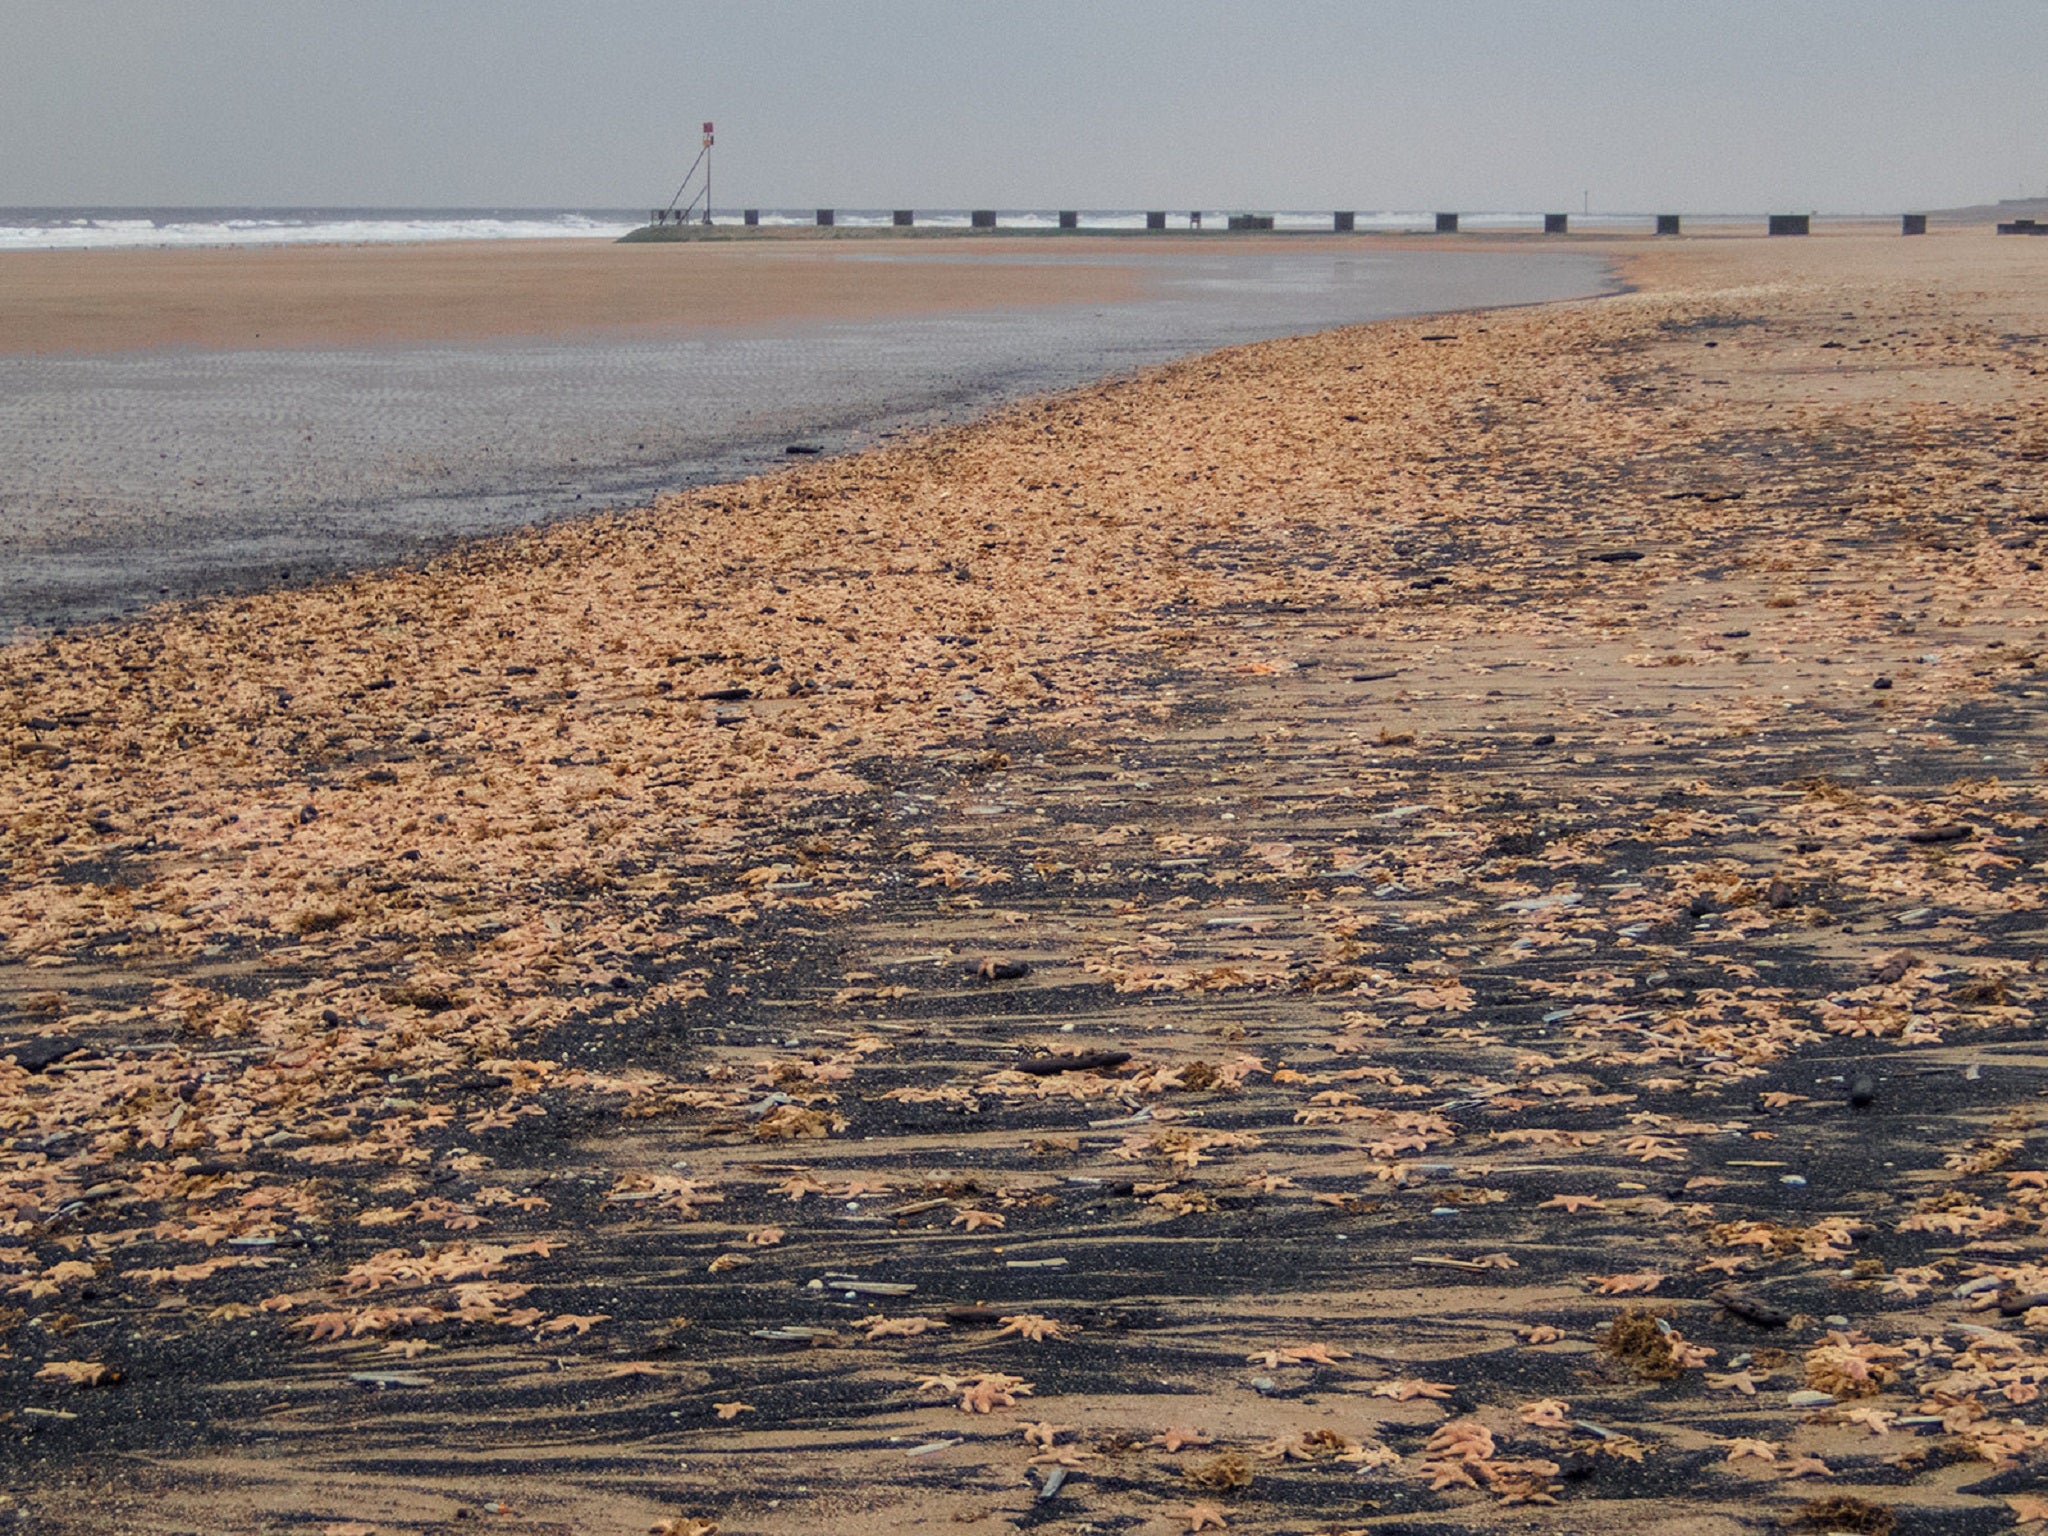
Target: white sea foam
<point>89,229</point>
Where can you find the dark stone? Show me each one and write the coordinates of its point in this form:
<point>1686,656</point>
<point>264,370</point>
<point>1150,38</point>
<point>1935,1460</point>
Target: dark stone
<point>974,1317</point>
<point>1002,970</point>
<point>45,1051</point>
<point>1751,1308</point>
<point>1881,683</point>
<point>1077,1061</point>
<point>1953,832</point>
<point>728,695</point>
<point>1863,1091</point>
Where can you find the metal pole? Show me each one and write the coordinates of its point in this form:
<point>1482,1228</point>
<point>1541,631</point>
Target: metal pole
<point>688,174</point>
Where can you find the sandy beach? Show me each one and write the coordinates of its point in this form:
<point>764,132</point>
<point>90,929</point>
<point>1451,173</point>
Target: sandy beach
<point>108,301</point>
<point>170,472</point>
<point>1430,927</point>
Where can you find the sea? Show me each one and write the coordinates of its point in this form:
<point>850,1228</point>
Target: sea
<point>24,229</point>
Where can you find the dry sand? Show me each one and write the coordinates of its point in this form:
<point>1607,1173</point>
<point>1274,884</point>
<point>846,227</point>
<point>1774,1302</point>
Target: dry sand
<point>1498,781</point>
<point>107,301</point>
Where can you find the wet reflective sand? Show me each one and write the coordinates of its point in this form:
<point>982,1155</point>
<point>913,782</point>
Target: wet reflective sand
<point>156,473</point>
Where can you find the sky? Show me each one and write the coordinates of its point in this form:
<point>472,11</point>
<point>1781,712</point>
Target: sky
<point>1629,105</point>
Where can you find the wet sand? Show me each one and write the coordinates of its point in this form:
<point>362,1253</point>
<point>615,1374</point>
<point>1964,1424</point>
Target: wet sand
<point>326,296</point>
<point>160,472</point>
<point>1212,952</point>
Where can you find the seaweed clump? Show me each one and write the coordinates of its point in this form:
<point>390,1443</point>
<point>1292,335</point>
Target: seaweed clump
<point>1842,1513</point>
<point>1639,1339</point>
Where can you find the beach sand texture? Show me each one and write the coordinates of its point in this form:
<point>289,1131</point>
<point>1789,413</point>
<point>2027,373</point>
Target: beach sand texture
<point>1284,945</point>
<point>54,301</point>
<point>160,472</point>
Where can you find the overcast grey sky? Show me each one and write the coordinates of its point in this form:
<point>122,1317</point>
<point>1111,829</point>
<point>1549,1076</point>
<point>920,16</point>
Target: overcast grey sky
<point>1735,105</point>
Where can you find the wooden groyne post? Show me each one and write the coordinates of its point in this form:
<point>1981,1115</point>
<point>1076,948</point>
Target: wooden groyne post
<point>824,218</point>
<point>903,218</point>
<point>1667,223</point>
<point>1155,220</point>
<point>1912,223</point>
<point>1344,223</point>
<point>751,217</point>
<point>1557,223</point>
<point>982,218</point>
<point>1447,223</point>
<point>1070,218</point>
<point>1790,224</point>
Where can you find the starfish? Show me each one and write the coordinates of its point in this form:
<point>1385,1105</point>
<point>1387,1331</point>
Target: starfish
<point>1029,1325</point>
<point>1299,1354</point>
<point>1740,1446</point>
<point>992,1392</point>
<point>1571,1205</point>
<point>1203,1515</point>
<point>1545,1413</point>
<point>1061,1456</point>
<point>1447,1474</point>
<point>879,1327</point>
<point>1465,1439</point>
<point>1739,1381</point>
<point>732,1410</point>
<point>1045,1433</point>
<point>1408,1389</point>
<point>975,1220</point>
<point>1626,1285</point>
<point>1808,1466</point>
<point>1178,1438</point>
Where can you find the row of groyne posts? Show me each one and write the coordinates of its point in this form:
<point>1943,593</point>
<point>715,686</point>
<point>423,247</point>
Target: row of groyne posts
<point>1347,222</point>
